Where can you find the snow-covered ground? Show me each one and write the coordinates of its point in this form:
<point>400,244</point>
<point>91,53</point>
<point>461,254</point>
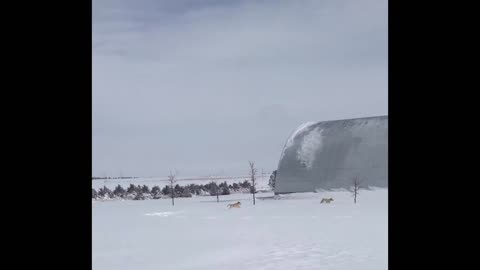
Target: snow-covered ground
<point>293,232</point>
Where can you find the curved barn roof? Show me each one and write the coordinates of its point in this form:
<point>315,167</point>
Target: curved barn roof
<point>328,154</point>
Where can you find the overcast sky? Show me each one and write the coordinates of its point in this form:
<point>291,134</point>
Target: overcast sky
<point>204,86</point>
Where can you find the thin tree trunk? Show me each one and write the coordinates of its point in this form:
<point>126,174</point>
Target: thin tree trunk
<point>253,173</point>
<point>171,190</point>
<point>254,190</point>
<point>171,177</point>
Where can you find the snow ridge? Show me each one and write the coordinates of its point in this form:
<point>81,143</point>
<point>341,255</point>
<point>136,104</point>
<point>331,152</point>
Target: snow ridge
<point>296,132</point>
<point>311,143</point>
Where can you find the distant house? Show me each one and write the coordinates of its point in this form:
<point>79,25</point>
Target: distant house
<point>328,154</point>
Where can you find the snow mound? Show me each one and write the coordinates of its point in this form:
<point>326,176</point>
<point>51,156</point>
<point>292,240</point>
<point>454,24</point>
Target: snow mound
<point>161,214</point>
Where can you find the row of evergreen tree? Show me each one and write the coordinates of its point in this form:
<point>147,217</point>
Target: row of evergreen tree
<point>119,177</point>
<point>144,192</point>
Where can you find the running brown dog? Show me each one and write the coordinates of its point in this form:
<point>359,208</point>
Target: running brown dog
<point>235,205</point>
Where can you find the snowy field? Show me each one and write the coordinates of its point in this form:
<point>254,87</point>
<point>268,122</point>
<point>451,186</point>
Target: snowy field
<point>292,232</point>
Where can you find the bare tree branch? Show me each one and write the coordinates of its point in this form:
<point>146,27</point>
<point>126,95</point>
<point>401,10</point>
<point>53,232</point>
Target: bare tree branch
<point>356,182</point>
<point>172,180</point>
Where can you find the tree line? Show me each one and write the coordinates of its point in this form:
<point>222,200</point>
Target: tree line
<point>138,192</point>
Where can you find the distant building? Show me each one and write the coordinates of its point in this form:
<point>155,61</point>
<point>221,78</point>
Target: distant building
<point>327,155</point>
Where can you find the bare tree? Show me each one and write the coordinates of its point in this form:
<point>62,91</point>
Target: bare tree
<point>172,180</point>
<point>355,187</point>
<point>253,175</point>
<point>214,187</point>
<point>271,181</point>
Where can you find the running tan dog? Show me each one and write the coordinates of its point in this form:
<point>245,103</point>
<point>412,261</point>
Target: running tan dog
<point>324,200</point>
<point>236,205</point>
